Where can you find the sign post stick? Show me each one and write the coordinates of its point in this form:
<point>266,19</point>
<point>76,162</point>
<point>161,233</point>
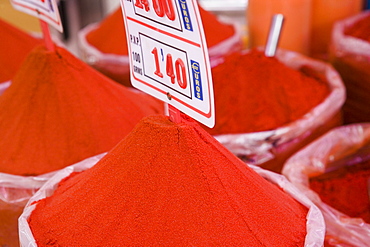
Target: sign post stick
<point>47,37</point>
<point>174,113</point>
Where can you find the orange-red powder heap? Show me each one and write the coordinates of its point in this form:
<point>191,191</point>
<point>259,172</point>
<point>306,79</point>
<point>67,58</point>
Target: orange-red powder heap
<point>107,41</point>
<point>360,30</point>
<point>59,111</point>
<point>257,93</point>
<point>14,47</point>
<point>168,184</point>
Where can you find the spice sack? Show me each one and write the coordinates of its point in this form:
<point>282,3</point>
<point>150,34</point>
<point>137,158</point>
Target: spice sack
<point>169,184</point>
<point>267,108</point>
<point>350,55</point>
<point>58,111</point>
<point>334,172</point>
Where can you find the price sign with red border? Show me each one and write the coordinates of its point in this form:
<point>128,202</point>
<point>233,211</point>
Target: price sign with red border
<point>46,10</point>
<point>169,56</point>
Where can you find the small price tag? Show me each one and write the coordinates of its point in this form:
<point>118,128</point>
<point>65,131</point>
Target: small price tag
<point>45,10</point>
<point>169,56</point>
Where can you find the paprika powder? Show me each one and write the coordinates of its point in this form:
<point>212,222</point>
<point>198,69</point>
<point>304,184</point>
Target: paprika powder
<point>15,46</point>
<point>168,184</point>
<point>347,188</point>
<point>333,171</point>
<point>257,93</point>
<point>58,111</point>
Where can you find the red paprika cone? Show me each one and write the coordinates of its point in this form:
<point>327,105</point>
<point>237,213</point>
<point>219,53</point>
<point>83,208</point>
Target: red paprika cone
<point>168,184</point>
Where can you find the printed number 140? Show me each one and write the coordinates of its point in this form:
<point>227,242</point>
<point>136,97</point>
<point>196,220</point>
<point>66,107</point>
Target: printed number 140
<point>161,7</point>
<point>178,73</point>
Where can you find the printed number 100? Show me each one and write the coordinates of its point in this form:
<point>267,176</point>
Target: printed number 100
<point>180,69</point>
<point>161,7</point>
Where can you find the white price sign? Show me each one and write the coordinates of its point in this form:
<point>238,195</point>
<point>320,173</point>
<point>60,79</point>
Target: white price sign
<point>46,10</point>
<point>169,56</point>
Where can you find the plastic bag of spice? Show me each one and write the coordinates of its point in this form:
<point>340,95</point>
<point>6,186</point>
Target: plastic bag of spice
<point>47,188</point>
<point>350,55</point>
<point>334,172</point>
<point>315,223</point>
<point>58,111</point>
<point>106,50</point>
<point>270,148</point>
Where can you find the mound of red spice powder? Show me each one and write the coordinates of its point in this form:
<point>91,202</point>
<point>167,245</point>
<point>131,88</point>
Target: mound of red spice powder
<point>168,184</point>
<point>107,41</point>
<point>258,93</point>
<point>59,111</point>
<point>360,29</point>
<point>14,47</point>
<point>346,189</point>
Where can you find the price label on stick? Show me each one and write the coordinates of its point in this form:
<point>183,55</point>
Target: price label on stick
<point>169,56</point>
<point>45,10</point>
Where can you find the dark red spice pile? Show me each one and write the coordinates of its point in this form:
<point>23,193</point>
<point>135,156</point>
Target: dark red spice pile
<point>347,188</point>
<point>258,93</point>
<point>360,29</point>
<point>59,111</point>
<point>168,184</point>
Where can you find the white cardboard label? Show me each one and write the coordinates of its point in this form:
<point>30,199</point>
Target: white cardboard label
<point>169,56</point>
<point>46,10</point>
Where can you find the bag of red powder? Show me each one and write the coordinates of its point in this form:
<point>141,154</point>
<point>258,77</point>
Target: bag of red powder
<point>350,55</point>
<point>56,112</point>
<point>104,46</point>
<point>169,184</point>
<point>268,108</point>
<point>15,45</point>
<point>334,172</point>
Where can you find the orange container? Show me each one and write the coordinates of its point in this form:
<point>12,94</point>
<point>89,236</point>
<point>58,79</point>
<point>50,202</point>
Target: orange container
<point>295,34</point>
<point>324,14</point>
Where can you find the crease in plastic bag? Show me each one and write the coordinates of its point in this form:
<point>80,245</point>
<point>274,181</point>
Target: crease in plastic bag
<point>315,222</point>
<point>345,45</point>
<point>118,65</point>
<point>312,161</point>
<point>16,189</point>
<point>260,144</point>
<point>4,86</point>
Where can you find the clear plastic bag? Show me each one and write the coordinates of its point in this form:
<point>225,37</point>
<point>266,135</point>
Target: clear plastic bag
<point>270,149</point>
<point>315,222</point>
<point>15,191</point>
<point>25,234</point>
<point>314,160</point>
<point>351,58</point>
